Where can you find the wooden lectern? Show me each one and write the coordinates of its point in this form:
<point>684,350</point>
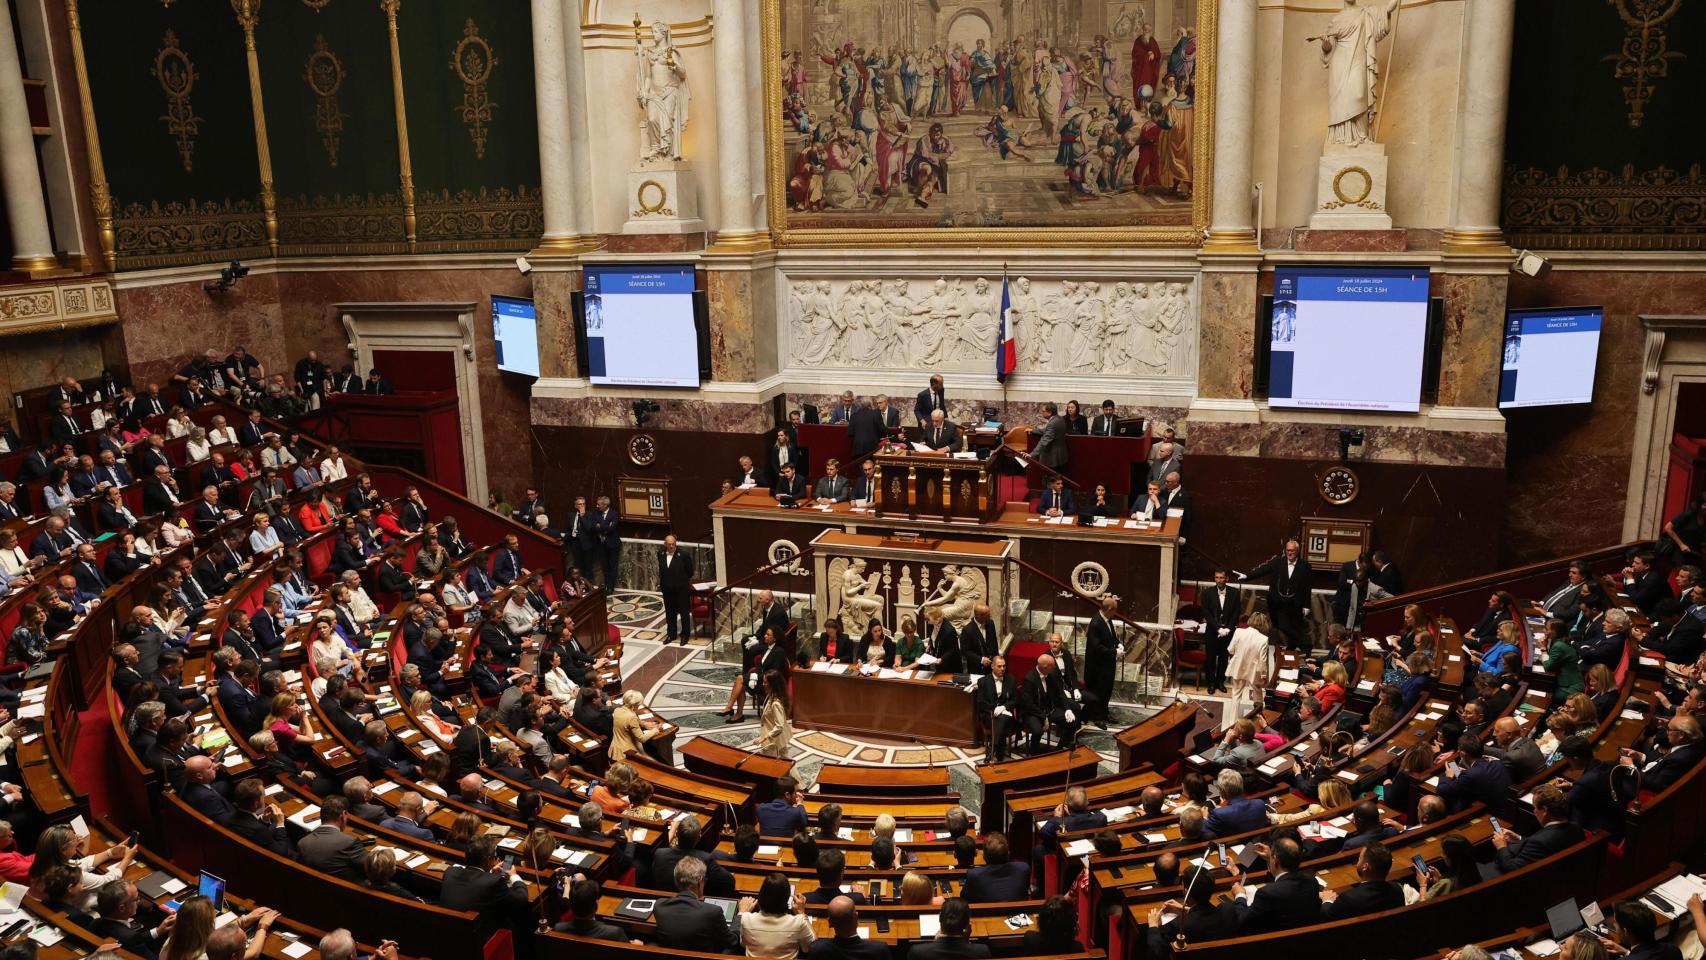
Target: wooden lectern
<point>933,486</point>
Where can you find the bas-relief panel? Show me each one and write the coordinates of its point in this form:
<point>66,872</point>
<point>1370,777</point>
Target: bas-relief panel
<point>893,114</point>
<point>1136,330</point>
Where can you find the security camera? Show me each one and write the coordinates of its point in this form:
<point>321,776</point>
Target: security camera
<point>228,277</point>
<point>643,409</point>
<point>1531,264</point>
<point>522,265</point>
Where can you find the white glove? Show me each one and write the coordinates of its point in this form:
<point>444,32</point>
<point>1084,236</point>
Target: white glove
<point>1225,632</point>
<point>752,679</point>
<point>1078,695</point>
<point>1071,717</point>
<point>751,642</point>
<point>1119,652</point>
<point>1243,576</point>
<point>1002,712</point>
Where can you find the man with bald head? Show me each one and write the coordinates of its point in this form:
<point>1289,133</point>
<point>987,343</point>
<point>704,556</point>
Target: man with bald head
<point>199,792</point>
<point>1043,701</point>
<point>846,944</point>
<point>1519,753</point>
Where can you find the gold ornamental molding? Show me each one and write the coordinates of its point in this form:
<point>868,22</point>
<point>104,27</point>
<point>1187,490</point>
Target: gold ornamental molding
<point>1597,209</point>
<point>483,220</point>
<point>177,77</point>
<point>249,16</point>
<point>324,73</point>
<point>74,302</point>
<point>1642,57</point>
<point>472,61</point>
<point>1172,235</point>
<point>100,194</point>
<point>406,178</point>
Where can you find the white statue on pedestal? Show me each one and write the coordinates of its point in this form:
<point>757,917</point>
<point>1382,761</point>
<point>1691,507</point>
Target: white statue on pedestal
<point>1347,51</point>
<point>662,93</point>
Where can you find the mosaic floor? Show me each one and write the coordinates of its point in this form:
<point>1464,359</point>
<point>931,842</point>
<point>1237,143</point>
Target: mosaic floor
<point>682,684</point>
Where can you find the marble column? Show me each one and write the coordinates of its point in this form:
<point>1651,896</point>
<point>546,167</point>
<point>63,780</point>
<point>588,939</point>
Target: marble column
<point>1486,82</point>
<point>1233,227</point>
<point>20,177</point>
<point>556,144</point>
<point>737,228</point>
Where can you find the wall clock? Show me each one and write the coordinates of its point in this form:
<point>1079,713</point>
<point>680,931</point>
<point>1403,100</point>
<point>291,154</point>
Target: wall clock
<point>1339,485</point>
<point>642,450</point>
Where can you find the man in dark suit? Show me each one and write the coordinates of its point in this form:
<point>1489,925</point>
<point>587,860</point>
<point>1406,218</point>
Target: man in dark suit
<point>1386,573</point>
<point>832,487</point>
<point>686,922</point>
<point>1043,701</point>
<point>1102,650</point>
<point>1645,585</point>
<point>998,705</point>
<point>472,748</point>
<point>607,532</point>
<point>1350,572</point>
<point>256,820</point>
<point>480,884</point>
<point>846,944</point>
<point>583,908</point>
<point>1236,813</point>
<point>684,836</point>
<point>160,491</point>
<point>1555,832</point>
<point>790,486</point>
<point>844,408</point>
<point>118,905</point>
<point>1291,899</point>
<point>1000,879</point>
<point>198,792</point>
<point>1560,602</point>
<point>578,537</point>
<point>1056,501</point>
<point>65,427</point>
<point>87,572</point>
<point>930,399</point>
<point>675,580</point>
<point>954,942</point>
<point>1371,893</point>
<point>1367,827</point>
<point>1686,752</point>
<point>1050,450</point>
<point>979,643</point>
<point>1480,778</point>
<point>1222,606</point>
<point>1288,593</point>
<point>328,849</point>
<point>940,435</point>
<point>748,475</point>
<point>1106,423</point>
<point>888,415</point>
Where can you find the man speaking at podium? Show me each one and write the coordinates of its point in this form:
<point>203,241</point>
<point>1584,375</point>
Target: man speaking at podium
<point>941,436</point>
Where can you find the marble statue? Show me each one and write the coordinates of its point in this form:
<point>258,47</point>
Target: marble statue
<point>1347,51</point>
<point>662,94</point>
<point>1116,328</point>
<point>959,593</point>
<point>860,601</point>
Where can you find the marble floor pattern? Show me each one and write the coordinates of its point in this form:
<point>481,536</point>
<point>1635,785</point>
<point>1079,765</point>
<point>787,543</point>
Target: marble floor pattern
<point>684,685</point>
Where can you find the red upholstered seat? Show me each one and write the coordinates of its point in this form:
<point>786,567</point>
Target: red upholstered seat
<point>1190,649</point>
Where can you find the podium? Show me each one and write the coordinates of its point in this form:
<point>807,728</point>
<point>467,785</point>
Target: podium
<point>933,486</point>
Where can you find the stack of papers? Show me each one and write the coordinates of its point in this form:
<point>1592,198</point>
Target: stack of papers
<point>1079,848</point>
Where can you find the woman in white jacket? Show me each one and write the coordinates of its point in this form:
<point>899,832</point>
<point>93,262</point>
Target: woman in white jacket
<point>1251,664</point>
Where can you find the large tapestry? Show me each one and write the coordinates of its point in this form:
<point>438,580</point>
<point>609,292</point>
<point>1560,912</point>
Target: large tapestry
<point>892,120</point>
<point>1616,163</point>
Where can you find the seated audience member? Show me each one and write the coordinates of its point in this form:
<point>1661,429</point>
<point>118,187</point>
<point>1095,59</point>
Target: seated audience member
<point>776,926</point>
<point>1634,928</point>
<point>1203,919</point>
<point>1554,834</point>
<point>1480,778</point>
<point>831,865</point>
<point>953,941</point>
<point>1291,898</point>
<point>846,944</point>
<point>328,849</point>
<point>1236,812</point>
<point>583,920</point>
<point>1367,826</point>
<point>684,836</point>
<point>784,815</point>
<point>686,922</point>
<point>1517,751</point>
<point>1239,747</point>
<point>1056,932</point>
<point>1686,751</point>
<point>1371,893</point>
<point>1000,879</point>
<point>479,883</point>
<point>1056,501</point>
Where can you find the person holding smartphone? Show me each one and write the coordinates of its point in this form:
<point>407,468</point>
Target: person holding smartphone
<point>480,883</point>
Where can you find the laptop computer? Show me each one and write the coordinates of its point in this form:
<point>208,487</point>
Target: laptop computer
<point>213,888</point>
<point>727,906</point>
<point>1565,918</point>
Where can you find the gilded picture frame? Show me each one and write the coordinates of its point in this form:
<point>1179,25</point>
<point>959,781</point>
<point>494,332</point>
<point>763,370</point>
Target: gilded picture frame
<point>783,233</point>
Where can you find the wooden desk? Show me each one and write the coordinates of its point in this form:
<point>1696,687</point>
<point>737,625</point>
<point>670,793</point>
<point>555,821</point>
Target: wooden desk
<point>708,758</point>
<point>1158,740</point>
<point>931,711</point>
<point>1054,769</point>
<point>933,486</point>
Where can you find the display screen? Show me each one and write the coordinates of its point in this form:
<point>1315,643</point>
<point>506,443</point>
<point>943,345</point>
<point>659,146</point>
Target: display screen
<point>1549,356</point>
<point>1348,338</point>
<point>515,327</point>
<point>639,325</point>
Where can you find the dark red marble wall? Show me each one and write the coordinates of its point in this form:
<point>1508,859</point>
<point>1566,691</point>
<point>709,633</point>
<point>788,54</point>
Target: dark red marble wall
<point>1568,467</point>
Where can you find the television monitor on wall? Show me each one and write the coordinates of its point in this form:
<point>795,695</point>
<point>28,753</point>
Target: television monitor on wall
<point>641,327</point>
<point>1548,356</point>
<point>515,328</point>
<point>1348,338</point>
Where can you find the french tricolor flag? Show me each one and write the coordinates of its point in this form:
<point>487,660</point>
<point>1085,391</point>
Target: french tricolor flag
<point>1006,347</point>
